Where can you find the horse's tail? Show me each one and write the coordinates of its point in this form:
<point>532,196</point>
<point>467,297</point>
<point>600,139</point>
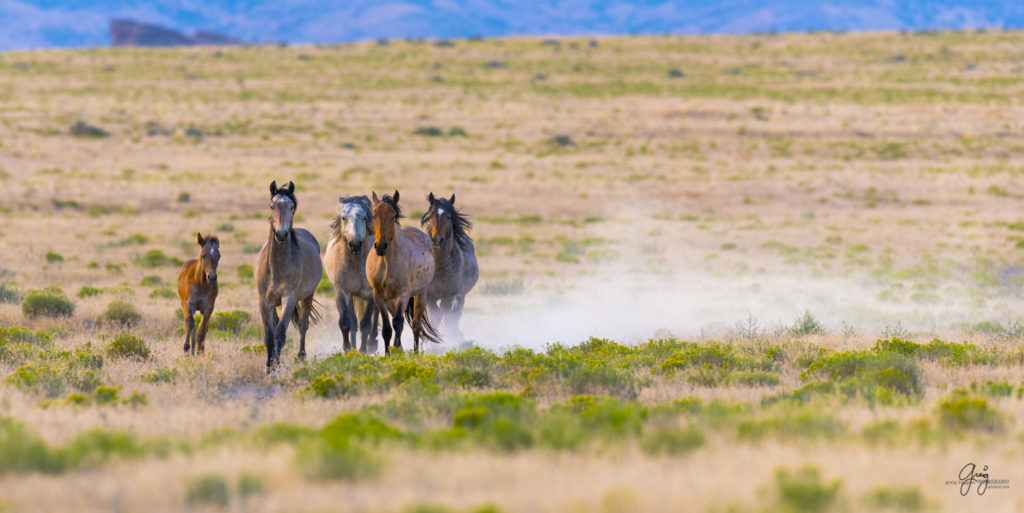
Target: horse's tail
<point>315,313</point>
<point>428,332</point>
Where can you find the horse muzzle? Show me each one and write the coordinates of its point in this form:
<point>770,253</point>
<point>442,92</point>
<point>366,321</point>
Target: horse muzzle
<point>380,248</point>
<point>438,241</point>
<point>281,237</point>
<point>355,247</point>
<point>212,277</point>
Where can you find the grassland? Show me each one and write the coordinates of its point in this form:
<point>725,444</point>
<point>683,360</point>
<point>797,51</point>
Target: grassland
<point>757,273</point>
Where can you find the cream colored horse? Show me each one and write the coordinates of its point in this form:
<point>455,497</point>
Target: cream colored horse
<point>288,270</point>
<point>345,263</point>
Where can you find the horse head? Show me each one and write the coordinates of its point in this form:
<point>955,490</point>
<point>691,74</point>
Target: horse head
<point>282,208</point>
<point>386,214</point>
<point>210,255</point>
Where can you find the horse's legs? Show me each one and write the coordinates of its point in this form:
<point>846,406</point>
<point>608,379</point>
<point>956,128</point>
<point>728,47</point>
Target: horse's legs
<point>203,326</point>
<point>341,300</point>
<point>398,322</point>
<point>453,318</point>
<point>190,327</point>
<point>382,310</point>
<point>365,312</point>
<point>269,315</point>
<point>441,320</point>
<point>305,308</point>
<point>419,309</point>
<point>432,307</point>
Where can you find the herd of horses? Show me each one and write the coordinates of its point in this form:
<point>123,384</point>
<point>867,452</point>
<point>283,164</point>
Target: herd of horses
<point>408,274</point>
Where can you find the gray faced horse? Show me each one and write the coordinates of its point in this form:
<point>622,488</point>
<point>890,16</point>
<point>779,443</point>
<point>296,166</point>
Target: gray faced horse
<point>345,263</point>
<point>288,270</point>
<point>455,267</point>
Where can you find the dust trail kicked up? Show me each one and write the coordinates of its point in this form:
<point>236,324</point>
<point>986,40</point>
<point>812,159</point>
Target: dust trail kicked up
<point>697,306</point>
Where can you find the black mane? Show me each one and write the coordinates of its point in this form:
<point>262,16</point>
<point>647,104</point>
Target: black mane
<point>461,223</point>
<point>398,210</point>
<point>289,195</point>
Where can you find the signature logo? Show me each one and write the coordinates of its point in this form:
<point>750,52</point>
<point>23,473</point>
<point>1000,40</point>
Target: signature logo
<point>969,476</point>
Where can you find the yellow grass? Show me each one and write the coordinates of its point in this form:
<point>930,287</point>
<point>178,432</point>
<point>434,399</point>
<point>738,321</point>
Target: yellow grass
<point>871,179</point>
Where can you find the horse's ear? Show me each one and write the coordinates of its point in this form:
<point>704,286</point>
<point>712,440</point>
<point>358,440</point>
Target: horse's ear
<point>291,188</point>
<point>452,201</point>
<point>199,238</point>
<point>395,197</point>
<point>376,200</point>
<point>273,188</point>
<point>430,198</point>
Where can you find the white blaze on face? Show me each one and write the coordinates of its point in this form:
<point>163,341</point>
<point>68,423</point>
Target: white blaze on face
<point>353,227</point>
<point>440,211</point>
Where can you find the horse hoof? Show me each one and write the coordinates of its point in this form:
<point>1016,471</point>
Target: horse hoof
<point>186,348</point>
<point>301,356</point>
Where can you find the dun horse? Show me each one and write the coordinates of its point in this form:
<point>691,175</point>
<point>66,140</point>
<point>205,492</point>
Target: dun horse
<point>345,263</point>
<point>288,270</point>
<point>399,271</point>
<point>197,288</point>
<point>455,267</point>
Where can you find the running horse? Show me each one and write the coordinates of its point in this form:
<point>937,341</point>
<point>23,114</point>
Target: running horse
<point>197,289</point>
<point>288,270</point>
<point>399,271</point>
<point>455,267</point>
<point>345,263</point>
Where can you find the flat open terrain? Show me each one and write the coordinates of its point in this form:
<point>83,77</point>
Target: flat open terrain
<point>800,256</point>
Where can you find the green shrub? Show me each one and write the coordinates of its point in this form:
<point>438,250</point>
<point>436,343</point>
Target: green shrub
<point>22,451</point>
<point>249,484</point>
<point>961,411</point>
<point>457,131</point>
<point>233,322</point>
<point>157,258</point>
<point>283,432</point>
<point>122,314</point>
<point>804,491</point>
<point>98,446</point>
<point>164,292</point>
<point>150,281</point>
<point>9,294</point>
<point>47,304</point>
<point>53,257</point>
<point>209,489</point>
<point>244,272</point>
<point>429,131</point>
<point>672,441</point>
<point>104,395</point>
<point>87,291</point>
<point>127,346</point>
<point>344,448</point>
<point>19,334</point>
<point>807,325</point>
<point>161,375</point>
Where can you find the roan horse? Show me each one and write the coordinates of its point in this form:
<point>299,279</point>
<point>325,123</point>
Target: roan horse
<point>345,263</point>
<point>288,270</point>
<point>455,267</point>
<point>399,271</point>
<point>197,288</point>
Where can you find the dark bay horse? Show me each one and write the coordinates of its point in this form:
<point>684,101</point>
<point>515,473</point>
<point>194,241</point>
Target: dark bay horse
<point>399,271</point>
<point>455,267</point>
<point>288,270</point>
<point>345,263</point>
<point>197,288</point>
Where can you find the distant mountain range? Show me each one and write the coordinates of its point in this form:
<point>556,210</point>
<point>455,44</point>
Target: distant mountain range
<point>63,23</point>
